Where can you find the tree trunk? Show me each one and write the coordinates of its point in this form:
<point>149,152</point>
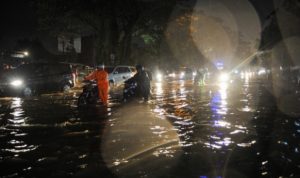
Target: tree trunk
<point>127,46</point>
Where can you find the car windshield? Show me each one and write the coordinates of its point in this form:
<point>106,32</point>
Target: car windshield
<point>219,96</point>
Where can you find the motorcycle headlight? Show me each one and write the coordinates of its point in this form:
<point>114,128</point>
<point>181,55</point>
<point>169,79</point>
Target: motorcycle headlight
<point>16,83</point>
<point>182,74</point>
<point>224,77</point>
<point>159,77</point>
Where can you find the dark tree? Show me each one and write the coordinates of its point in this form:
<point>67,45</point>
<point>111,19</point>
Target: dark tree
<point>112,24</point>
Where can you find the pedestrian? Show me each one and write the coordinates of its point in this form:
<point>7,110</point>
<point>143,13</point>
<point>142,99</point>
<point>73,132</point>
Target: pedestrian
<point>199,78</point>
<point>143,82</point>
<point>101,76</point>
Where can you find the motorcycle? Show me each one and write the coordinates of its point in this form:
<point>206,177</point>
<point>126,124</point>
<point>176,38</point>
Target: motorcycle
<point>89,94</point>
<point>130,90</point>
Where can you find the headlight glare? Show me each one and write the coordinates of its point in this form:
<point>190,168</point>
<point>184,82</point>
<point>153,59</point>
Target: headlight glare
<point>16,83</point>
<point>172,75</point>
<point>224,77</point>
<point>182,74</point>
<point>159,77</point>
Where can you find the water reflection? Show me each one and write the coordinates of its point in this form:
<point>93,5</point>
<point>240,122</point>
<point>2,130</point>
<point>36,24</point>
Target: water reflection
<point>18,119</point>
<point>45,136</point>
<point>219,102</point>
<point>158,88</point>
<point>232,129</point>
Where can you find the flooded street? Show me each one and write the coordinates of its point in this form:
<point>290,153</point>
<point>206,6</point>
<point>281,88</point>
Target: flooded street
<point>248,128</point>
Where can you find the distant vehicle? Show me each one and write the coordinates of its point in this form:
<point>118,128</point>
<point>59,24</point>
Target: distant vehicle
<point>33,78</point>
<point>118,74</point>
<point>182,73</point>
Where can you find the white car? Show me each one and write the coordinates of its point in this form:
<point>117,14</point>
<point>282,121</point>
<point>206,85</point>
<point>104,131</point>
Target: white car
<point>118,74</point>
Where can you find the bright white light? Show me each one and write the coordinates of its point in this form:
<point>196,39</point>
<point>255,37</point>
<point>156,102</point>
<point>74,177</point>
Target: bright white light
<point>224,77</point>
<point>242,75</point>
<point>16,83</point>
<point>248,75</point>
<point>194,73</point>
<point>172,75</point>
<point>159,90</point>
<point>262,71</point>
<point>159,77</point>
<point>182,74</point>
<point>26,53</point>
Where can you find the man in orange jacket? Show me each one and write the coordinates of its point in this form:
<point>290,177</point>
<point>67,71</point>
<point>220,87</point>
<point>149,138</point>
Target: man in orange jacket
<point>101,76</point>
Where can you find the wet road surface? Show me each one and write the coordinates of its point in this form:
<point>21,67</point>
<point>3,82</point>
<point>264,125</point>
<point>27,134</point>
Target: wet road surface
<point>249,128</point>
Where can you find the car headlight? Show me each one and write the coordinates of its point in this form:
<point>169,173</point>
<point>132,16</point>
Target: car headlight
<point>262,72</point>
<point>16,83</point>
<point>159,77</point>
<point>182,74</point>
<point>224,77</point>
<point>172,75</point>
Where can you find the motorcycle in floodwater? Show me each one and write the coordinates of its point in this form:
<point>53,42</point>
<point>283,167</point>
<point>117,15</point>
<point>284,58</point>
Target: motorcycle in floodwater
<point>89,94</point>
<point>130,90</point>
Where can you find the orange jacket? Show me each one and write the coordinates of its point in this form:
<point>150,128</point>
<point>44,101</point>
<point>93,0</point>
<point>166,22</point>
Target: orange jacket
<point>101,76</point>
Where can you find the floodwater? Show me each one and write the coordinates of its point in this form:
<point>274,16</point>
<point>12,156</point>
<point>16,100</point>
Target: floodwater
<point>248,128</point>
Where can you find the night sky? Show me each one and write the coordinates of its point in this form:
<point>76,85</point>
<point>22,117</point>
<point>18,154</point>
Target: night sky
<point>19,20</point>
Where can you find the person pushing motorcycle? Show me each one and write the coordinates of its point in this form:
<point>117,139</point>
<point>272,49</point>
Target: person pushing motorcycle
<point>143,82</point>
<point>101,76</point>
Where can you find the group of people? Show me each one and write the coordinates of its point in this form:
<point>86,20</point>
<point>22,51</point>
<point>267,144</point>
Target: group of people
<point>141,78</point>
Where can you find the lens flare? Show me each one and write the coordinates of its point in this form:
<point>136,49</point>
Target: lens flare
<point>214,31</point>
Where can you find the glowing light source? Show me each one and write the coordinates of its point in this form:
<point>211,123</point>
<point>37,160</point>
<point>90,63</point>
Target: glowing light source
<point>172,75</point>
<point>224,77</point>
<point>159,77</point>
<point>182,74</point>
<point>17,83</point>
<point>26,53</point>
<point>262,71</point>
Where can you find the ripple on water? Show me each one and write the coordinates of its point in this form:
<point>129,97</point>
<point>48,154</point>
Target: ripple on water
<point>166,151</point>
<point>236,132</point>
<point>247,144</point>
<point>21,148</point>
<point>220,123</point>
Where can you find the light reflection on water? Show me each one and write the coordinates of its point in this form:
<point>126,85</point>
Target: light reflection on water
<point>219,102</point>
<point>158,89</point>
<point>211,124</point>
<point>17,119</point>
<point>216,106</point>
